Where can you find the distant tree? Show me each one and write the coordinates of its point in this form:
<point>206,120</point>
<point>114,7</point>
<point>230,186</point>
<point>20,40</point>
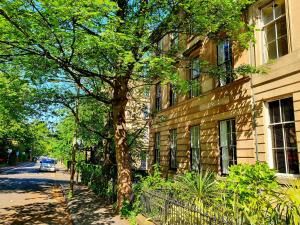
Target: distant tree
<point>105,46</point>
<point>16,96</point>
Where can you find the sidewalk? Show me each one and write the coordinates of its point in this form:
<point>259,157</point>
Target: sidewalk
<point>88,209</point>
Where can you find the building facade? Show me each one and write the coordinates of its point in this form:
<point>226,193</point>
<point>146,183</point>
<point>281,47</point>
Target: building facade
<point>227,121</point>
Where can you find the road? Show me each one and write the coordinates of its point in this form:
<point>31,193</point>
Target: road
<point>28,196</point>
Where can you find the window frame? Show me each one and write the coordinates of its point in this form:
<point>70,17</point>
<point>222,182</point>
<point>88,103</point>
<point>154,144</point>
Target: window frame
<point>227,63</point>
<point>234,150</point>
<point>157,148</point>
<point>173,149</point>
<point>172,95</point>
<point>274,21</point>
<point>196,167</point>
<point>158,96</point>
<point>195,80</point>
<point>174,40</point>
<point>272,155</point>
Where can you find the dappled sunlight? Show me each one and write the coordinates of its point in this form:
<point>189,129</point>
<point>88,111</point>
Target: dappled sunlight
<point>42,207</point>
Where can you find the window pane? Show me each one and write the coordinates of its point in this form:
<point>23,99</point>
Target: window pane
<point>195,68</point>
<point>173,149</point>
<point>195,158</point>
<point>270,33</point>
<point>282,46</point>
<point>227,50</point>
<point>287,109</point>
<point>290,135</point>
<point>225,160</point>
<point>277,135</point>
<point>274,112</point>
<point>223,134</point>
<point>281,27</point>
<point>292,156</point>
<point>280,160</point>
<point>279,8</point>
<point>158,89</point>
<point>195,89</point>
<point>157,140</point>
<point>267,14</point>
<point>195,137</point>
<point>272,52</point>
<point>221,54</point>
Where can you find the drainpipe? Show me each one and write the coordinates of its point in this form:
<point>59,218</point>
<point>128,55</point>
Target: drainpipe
<point>253,102</point>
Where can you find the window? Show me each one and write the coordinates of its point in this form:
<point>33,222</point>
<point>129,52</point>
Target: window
<point>283,133</point>
<point>227,144</point>
<point>160,45</point>
<point>158,97</point>
<point>145,110</point>
<point>174,40</point>
<point>194,78</point>
<point>143,158</point>
<point>157,148</point>
<point>173,95</point>
<point>274,30</point>
<point>195,147</point>
<point>173,148</point>
<point>224,60</point>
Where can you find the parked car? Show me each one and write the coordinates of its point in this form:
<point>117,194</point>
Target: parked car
<point>48,165</point>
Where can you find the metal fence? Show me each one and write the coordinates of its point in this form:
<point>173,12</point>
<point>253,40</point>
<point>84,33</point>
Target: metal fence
<point>163,209</point>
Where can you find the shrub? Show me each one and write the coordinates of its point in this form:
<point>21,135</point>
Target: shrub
<point>201,187</point>
<point>100,178</point>
<point>253,196</point>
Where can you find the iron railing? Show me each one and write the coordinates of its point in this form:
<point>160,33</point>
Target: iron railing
<point>162,209</point>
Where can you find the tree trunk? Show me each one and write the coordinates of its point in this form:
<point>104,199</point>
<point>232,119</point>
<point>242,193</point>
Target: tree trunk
<point>124,180</point>
<point>74,149</point>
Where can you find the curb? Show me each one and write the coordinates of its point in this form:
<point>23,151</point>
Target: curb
<point>63,191</point>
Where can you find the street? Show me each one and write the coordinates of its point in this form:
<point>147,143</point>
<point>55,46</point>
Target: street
<point>28,196</point>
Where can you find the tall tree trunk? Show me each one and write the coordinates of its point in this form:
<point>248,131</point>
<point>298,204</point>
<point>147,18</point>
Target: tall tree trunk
<point>124,179</point>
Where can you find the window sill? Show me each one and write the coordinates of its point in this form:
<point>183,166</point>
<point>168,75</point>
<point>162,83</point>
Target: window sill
<point>284,178</point>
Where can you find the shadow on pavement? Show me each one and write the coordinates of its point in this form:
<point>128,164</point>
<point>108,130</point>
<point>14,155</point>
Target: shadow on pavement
<point>37,212</point>
<point>8,184</point>
<point>90,209</point>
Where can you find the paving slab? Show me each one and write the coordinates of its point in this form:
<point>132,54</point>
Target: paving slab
<point>86,208</point>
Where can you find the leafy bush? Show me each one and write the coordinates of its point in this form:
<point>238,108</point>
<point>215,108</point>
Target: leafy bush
<point>249,195</point>
<point>201,187</point>
<point>253,196</point>
<point>100,178</point>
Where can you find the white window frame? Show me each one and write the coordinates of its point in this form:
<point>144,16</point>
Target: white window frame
<point>195,78</point>
<point>191,148</point>
<point>270,152</point>
<point>232,147</point>
<point>262,25</point>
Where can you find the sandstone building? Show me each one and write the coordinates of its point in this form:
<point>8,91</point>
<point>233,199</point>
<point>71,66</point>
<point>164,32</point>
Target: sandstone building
<point>222,122</point>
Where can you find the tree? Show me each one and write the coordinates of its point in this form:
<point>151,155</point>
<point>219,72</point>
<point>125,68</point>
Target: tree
<point>15,94</point>
<point>106,47</point>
